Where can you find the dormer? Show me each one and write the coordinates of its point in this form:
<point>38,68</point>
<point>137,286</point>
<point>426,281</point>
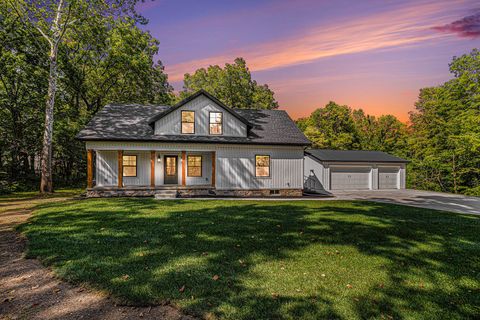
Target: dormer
<point>201,114</point>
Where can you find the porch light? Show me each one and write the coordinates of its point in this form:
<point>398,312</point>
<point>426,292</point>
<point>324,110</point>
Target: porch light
<point>159,158</point>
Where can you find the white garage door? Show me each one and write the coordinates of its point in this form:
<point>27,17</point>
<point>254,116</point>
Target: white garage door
<point>349,178</point>
<point>388,177</point>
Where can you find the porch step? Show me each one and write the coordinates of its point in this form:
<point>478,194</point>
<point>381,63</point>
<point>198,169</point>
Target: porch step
<point>166,194</point>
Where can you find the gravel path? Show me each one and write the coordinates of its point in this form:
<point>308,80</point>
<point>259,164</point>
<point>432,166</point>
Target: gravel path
<point>28,290</point>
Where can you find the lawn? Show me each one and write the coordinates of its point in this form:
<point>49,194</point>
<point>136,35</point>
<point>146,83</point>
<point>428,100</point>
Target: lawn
<point>264,260</point>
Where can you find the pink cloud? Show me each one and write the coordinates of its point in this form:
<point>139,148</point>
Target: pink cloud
<point>406,26</point>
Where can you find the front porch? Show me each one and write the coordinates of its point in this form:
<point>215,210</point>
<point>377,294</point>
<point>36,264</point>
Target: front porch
<point>145,173</point>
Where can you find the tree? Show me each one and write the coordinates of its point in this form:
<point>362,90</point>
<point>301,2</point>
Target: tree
<point>445,131</point>
<point>60,22</point>
<point>331,127</point>
<point>233,85</point>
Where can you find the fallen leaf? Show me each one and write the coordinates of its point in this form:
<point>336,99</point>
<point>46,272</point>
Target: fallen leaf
<point>215,277</point>
<point>181,289</point>
<point>349,286</point>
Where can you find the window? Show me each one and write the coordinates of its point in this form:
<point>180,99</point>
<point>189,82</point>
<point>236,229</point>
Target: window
<point>216,122</point>
<point>129,166</point>
<point>262,166</point>
<point>188,121</point>
<point>194,166</point>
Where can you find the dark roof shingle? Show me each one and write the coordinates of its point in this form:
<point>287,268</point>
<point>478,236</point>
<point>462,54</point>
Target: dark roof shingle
<point>130,122</point>
<point>353,156</point>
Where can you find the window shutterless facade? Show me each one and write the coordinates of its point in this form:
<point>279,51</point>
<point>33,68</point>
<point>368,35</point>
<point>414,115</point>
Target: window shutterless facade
<point>129,166</point>
<point>216,123</point>
<point>194,166</point>
<point>262,166</point>
<point>188,122</point>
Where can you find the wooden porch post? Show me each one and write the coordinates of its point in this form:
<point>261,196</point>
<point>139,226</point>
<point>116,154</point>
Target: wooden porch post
<point>89,168</point>
<point>152,169</point>
<point>214,164</point>
<point>184,160</point>
<point>120,168</point>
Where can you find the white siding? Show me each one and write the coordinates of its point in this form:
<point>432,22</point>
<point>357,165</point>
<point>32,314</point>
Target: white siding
<point>206,177</point>
<point>171,123</point>
<point>315,174</point>
<point>236,168</point>
<point>106,168</point>
<point>235,164</point>
<point>143,169</point>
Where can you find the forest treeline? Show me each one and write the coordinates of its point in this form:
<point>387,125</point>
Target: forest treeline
<point>441,139</point>
<point>105,56</point>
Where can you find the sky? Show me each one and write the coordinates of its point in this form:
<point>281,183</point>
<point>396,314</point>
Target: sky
<point>367,54</point>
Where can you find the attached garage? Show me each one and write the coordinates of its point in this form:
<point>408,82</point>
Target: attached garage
<point>353,170</point>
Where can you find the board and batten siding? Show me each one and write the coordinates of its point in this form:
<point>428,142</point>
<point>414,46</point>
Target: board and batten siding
<point>171,123</point>
<point>235,164</point>
<point>107,169</point>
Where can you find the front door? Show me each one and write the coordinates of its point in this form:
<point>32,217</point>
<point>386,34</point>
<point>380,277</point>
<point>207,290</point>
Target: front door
<point>170,171</point>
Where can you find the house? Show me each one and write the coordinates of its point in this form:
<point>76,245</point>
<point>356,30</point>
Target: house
<point>198,147</point>
<point>353,170</point>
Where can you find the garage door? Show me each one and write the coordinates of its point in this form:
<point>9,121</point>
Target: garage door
<point>388,177</point>
<point>350,178</point>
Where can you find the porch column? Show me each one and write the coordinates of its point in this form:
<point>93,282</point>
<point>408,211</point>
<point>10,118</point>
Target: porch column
<point>214,164</point>
<point>152,169</point>
<point>184,175</point>
<point>120,168</point>
<point>89,168</point>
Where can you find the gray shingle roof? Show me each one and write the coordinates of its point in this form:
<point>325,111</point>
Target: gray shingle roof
<point>353,156</point>
<point>130,122</point>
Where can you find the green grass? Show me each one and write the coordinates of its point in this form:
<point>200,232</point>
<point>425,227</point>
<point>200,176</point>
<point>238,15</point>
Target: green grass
<point>286,259</point>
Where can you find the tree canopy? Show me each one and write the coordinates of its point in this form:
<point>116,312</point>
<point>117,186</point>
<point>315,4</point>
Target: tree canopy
<point>233,85</point>
<point>104,57</point>
<point>442,139</point>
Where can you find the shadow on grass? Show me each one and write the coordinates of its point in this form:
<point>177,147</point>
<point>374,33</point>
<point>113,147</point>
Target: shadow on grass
<point>146,252</point>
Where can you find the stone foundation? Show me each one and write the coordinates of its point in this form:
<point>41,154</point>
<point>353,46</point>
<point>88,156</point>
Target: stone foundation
<point>261,193</point>
<point>195,192</point>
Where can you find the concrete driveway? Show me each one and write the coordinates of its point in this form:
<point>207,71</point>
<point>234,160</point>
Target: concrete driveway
<point>416,198</point>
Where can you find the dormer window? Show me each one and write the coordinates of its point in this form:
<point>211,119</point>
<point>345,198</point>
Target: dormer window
<point>188,121</point>
<point>216,122</point>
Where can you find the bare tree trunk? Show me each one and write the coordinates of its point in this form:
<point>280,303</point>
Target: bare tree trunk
<point>46,184</point>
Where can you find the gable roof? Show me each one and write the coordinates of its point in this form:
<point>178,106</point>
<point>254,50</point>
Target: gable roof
<point>353,156</point>
<point>193,97</point>
<point>131,122</point>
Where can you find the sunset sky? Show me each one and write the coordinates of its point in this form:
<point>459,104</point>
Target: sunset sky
<point>374,55</point>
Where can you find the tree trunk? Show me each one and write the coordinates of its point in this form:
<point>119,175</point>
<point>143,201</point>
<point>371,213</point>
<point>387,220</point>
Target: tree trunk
<point>46,184</point>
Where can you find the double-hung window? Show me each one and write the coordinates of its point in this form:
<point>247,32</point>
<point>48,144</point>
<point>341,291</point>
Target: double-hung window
<point>129,166</point>
<point>188,121</point>
<point>216,123</point>
<point>194,166</point>
<point>262,166</point>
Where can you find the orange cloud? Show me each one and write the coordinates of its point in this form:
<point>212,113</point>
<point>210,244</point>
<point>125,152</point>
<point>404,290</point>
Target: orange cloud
<point>402,27</point>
